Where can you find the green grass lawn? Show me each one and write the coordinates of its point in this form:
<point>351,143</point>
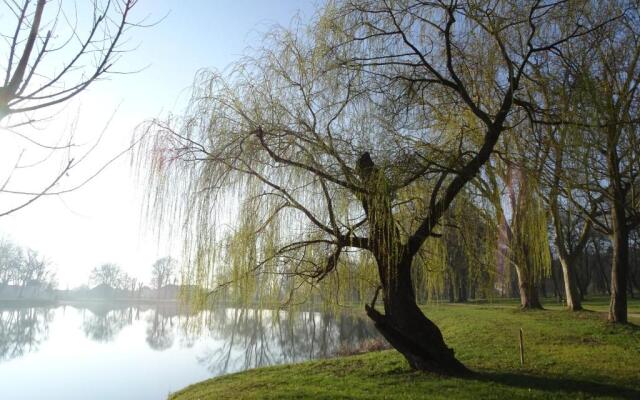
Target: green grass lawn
<point>567,355</point>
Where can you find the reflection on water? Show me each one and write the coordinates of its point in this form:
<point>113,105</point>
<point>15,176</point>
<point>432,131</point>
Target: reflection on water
<point>103,324</point>
<point>269,337</point>
<point>22,330</point>
<point>159,331</point>
<point>173,347</point>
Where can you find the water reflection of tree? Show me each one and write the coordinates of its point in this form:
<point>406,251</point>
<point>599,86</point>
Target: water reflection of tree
<point>22,330</point>
<point>253,338</point>
<point>244,338</point>
<point>160,330</point>
<point>103,323</point>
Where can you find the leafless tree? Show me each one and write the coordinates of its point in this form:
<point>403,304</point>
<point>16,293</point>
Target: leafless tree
<point>606,74</point>
<point>43,68</point>
<point>162,272</point>
<point>21,268</point>
<point>53,51</point>
<point>108,274</point>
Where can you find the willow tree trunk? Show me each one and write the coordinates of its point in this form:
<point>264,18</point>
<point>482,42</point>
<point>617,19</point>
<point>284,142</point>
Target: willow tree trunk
<point>460,282</point>
<point>570,288</point>
<point>406,328</point>
<point>463,290</point>
<point>403,324</point>
<point>529,297</point>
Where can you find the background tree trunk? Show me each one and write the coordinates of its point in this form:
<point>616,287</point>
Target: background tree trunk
<point>570,289</point>
<point>619,268</point>
<point>463,287</point>
<point>529,297</point>
<point>603,274</point>
<point>619,233</point>
<point>556,289</point>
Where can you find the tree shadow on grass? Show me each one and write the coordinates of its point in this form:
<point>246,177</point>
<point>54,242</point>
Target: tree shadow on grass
<point>552,384</point>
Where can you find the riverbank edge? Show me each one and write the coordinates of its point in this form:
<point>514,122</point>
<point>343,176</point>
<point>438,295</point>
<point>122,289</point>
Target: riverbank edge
<point>385,375</point>
<point>568,356</point>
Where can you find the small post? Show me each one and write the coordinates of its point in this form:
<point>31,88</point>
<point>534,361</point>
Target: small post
<point>521,348</point>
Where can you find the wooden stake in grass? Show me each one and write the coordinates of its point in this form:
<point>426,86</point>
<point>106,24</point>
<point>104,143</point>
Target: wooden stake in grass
<point>521,348</point>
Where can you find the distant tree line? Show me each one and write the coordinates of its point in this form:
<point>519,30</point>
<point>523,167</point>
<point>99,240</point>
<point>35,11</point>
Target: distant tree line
<point>112,275</point>
<point>21,268</point>
<point>25,273</point>
<point>163,273</point>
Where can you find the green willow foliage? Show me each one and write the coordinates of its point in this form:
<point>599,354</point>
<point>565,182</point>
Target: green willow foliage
<point>467,244</point>
<point>478,235</point>
<point>244,238</point>
<point>530,247</point>
<point>263,176</point>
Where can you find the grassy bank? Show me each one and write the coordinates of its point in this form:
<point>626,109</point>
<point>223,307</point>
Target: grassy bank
<point>568,355</point>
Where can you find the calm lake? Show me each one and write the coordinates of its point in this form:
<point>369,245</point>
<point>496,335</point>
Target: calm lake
<point>112,351</point>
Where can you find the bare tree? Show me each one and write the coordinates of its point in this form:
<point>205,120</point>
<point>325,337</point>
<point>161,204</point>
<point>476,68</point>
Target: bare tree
<point>162,272</point>
<point>572,228</point>
<point>34,268</point>
<point>42,67</point>
<point>11,258</point>
<point>52,52</point>
<point>602,107</point>
<point>107,274</point>
<point>24,268</point>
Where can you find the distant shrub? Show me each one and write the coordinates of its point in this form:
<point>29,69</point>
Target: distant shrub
<point>366,346</point>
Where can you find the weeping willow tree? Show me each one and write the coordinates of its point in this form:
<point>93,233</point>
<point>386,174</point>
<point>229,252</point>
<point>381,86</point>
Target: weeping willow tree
<point>476,234</point>
<point>459,260</point>
<point>326,153</point>
<point>529,244</point>
<point>512,188</point>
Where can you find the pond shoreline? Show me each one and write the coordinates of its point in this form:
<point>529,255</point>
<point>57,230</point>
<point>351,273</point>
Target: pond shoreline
<point>569,355</point>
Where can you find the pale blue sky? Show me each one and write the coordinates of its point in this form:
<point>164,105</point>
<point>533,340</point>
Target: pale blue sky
<point>198,34</point>
<point>101,223</point>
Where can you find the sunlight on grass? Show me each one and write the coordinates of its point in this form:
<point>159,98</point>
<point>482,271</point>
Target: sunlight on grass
<point>567,355</point>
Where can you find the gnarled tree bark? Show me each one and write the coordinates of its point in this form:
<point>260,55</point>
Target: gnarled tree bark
<point>403,324</point>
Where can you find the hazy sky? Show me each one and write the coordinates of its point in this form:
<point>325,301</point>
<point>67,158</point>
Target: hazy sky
<point>101,222</point>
